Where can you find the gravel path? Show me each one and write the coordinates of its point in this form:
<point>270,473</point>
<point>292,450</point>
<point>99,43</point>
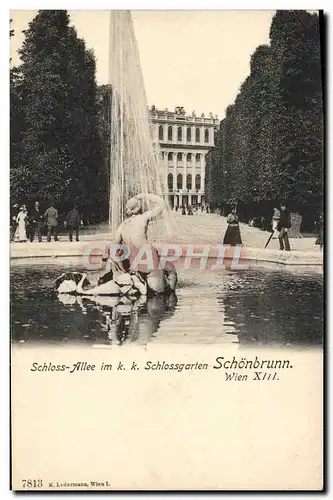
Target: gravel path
<point>199,229</point>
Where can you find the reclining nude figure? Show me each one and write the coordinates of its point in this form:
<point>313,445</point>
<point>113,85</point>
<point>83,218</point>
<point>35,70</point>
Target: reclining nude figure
<point>126,277</point>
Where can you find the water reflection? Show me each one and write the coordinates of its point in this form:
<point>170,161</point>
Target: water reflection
<point>267,308</point>
<point>246,307</point>
<point>126,319</point>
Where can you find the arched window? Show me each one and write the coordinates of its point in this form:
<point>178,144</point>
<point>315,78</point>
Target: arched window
<point>197,135</point>
<point>170,157</point>
<point>189,157</point>
<point>179,157</point>
<point>170,182</point>
<point>170,133</point>
<point>160,133</point>
<point>180,134</point>
<point>189,181</point>
<point>189,134</point>
<point>197,182</point>
<point>179,181</point>
<point>197,158</point>
<point>206,135</point>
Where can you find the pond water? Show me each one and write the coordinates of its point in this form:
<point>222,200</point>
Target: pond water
<point>252,307</point>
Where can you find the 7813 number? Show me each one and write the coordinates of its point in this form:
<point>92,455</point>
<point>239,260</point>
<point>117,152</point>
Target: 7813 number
<point>32,483</point>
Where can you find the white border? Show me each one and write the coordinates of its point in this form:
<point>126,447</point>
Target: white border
<point>4,170</point>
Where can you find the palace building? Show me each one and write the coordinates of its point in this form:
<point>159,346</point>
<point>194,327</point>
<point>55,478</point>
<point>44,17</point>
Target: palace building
<point>184,141</point>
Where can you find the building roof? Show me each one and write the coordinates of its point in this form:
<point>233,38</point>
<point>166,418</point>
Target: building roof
<point>179,116</point>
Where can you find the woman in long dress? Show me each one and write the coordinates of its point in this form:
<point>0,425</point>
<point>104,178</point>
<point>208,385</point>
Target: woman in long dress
<point>320,229</point>
<point>232,235</point>
<point>275,222</point>
<point>22,219</point>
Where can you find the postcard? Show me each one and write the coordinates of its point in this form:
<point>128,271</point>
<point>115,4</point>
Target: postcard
<point>166,250</point>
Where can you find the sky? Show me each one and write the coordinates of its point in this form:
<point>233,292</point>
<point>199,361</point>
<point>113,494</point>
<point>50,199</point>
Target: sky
<point>195,59</point>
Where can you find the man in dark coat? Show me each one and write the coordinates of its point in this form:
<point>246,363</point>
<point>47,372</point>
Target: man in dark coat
<point>283,225</point>
<point>51,219</point>
<point>36,222</point>
<point>73,221</point>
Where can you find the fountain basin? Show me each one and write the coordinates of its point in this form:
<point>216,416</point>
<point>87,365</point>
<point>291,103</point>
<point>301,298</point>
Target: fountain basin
<point>93,250</point>
<point>254,306</point>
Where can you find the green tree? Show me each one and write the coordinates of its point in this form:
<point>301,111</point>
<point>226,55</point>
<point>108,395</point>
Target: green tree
<point>18,181</point>
<point>104,97</point>
<point>271,143</point>
<point>299,119</point>
<point>60,142</point>
<point>214,173</point>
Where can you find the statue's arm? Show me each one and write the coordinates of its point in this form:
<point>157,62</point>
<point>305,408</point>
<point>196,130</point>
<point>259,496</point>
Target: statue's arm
<point>157,210</point>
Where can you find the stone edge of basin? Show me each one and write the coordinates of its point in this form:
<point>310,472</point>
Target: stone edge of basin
<point>79,249</point>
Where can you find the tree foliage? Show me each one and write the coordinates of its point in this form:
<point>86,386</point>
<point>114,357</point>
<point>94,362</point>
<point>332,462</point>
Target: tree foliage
<point>270,144</point>
<point>55,141</point>
<point>104,97</point>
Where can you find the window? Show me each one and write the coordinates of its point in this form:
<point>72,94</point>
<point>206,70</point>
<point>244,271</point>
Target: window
<point>189,158</point>
<point>180,134</point>
<point>197,158</point>
<point>170,133</point>
<point>197,181</point>
<point>189,134</point>
<point>197,135</point>
<point>160,133</point>
<point>179,157</point>
<point>170,182</point>
<point>170,157</point>
<point>189,181</point>
<point>206,135</point>
<point>179,181</point>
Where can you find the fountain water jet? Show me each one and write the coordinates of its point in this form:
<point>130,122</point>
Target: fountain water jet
<point>134,158</point>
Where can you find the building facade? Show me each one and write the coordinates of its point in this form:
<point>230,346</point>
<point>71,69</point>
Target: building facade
<point>184,141</point>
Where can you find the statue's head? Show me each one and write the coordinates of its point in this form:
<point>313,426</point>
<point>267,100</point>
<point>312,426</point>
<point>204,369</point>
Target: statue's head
<point>133,207</point>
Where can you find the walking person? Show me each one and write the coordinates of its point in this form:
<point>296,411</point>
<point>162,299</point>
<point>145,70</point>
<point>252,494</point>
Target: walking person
<point>36,219</point>
<point>13,217</point>
<point>72,222</point>
<point>232,235</point>
<point>320,231</point>
<point>51,219</point>
<point>283,225</point>
<point>275,222</point>
<point>22,222</point>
